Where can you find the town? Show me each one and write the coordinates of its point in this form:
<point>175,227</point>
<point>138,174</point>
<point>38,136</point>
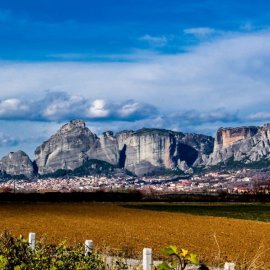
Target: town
<point>238,182</point>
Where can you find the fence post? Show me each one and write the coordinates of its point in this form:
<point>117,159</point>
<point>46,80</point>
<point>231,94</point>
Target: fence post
<point>147,259</point>
<point>229,266</point>
<point>32,240</point>
<point>88,246</point>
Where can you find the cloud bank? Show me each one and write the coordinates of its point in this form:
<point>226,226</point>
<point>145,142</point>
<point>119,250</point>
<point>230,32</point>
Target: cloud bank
<point>60,106</point>
<point>221,73</point>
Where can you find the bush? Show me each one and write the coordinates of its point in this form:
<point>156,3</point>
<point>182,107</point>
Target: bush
<point>15,254</point>
<point>178,259</point>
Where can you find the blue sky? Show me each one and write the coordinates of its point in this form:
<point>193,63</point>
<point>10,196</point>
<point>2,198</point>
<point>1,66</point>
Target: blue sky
<point>185,65</point>
<point>84,30</point>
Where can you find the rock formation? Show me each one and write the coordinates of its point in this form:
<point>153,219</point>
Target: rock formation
<point>140,152</point>
<point>67,149</point>
<point>246,144</point>
<point>143,151</point>
<point>148,150</point>
<point>17,163</point>
<point>105,148</point>
<point>226,137</point>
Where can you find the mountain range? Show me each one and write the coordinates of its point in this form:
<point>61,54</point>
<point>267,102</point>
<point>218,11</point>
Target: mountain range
<point>142,152</point>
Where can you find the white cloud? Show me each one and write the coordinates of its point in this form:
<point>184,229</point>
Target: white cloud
<point>98,109</point>
<point>13,108</point>
<point>60,106</point>
<point>224,73</point>
<point>132,110</point>
<point>155,41</point>
<point>199,31</point>
<point>129,109</point>
<point>185,90</point>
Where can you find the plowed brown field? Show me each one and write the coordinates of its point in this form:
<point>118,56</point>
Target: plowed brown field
<point>133,229</point>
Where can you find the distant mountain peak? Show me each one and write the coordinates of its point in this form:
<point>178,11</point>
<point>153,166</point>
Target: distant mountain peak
<point>141,152</point>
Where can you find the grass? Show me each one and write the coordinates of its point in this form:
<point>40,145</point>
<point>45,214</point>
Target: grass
<point>259,212</point>
<point>113,227</point>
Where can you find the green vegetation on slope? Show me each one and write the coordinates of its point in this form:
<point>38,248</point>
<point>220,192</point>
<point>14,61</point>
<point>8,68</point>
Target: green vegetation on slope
<point>259,212</point>
<point>90,167</point>
<point>234,165</point>
<point>5,177</point>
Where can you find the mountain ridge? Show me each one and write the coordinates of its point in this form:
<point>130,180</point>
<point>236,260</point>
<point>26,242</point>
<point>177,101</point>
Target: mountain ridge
<point>141,152</point>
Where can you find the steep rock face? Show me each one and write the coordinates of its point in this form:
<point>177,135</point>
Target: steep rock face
<point>143,151</point>
<point>228,136</point>
<point>105,148</point>
<point>140,152</point>
<point>67,149</point>
<point>202,143</point>
<point>17,163</point>
<point>247,144</point>
<point>148,150</point>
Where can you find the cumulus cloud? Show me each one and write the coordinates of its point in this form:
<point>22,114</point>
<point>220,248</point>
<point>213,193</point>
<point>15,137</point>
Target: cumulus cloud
<point>59,106</point>
<point>131,110</point>
<point>13,108</point>
<point>98,109</point>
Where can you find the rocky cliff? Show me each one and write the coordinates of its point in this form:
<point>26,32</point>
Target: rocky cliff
<point>74,144</point>
<point>140,152</point>
<point>226,137</point>
<point>246,144</point>
<point>143,151</point>
<point>105,148</point>
<point>67,149</point>
<point>17,163</point>
<point>148,150</point>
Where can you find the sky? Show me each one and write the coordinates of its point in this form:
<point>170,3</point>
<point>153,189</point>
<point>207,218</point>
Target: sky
<point>185,65</point>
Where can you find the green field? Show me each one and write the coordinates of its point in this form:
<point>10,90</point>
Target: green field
<point>259,212</point>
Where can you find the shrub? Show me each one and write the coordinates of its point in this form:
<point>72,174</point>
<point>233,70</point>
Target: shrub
<point>15,254</point>
<point>178,259</point>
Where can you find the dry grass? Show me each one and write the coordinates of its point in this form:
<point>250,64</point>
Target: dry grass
<point>109,225</point>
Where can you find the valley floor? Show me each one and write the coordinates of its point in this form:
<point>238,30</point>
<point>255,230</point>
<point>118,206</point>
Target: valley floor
<point>114,227</point>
